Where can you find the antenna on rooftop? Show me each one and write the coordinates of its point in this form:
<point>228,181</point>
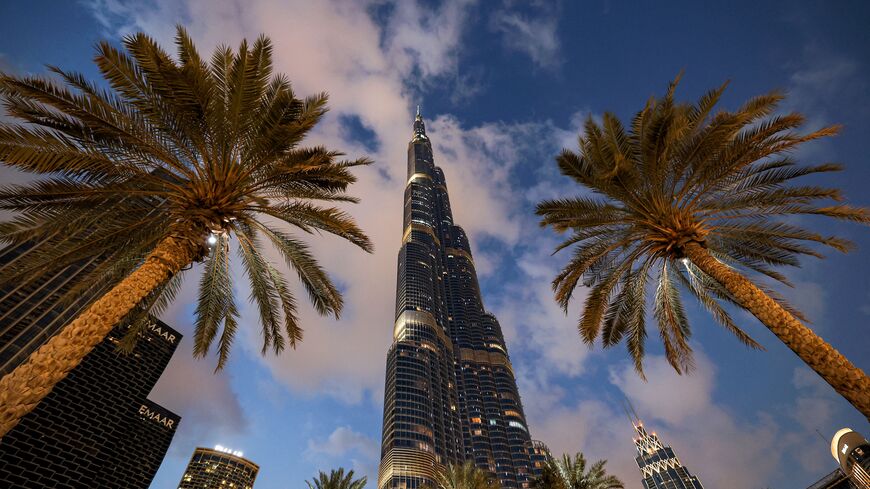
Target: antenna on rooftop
<point>630,413</point>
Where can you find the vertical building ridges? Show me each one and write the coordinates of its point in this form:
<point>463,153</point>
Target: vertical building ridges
<point>450,392</point>
<point>97,427</point>
<point>658,463</point>
<point>218,468</point>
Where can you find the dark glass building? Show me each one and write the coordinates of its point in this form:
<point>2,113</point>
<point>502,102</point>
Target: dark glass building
<point>96,428</point>
<point>220,468</point>
<point>30,313</point>
<point>658,463</point>
<point>538,454</point>
<point>450,391</point>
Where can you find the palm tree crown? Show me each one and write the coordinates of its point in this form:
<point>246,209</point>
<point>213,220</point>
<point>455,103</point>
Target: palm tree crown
<point>178,161</point>
<point>336,479</point>
<point>568,473</point>
<point>464,476</point>
<point>696,200</point>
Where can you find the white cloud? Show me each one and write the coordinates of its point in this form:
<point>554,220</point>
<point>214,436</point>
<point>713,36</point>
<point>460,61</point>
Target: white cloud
<point>534,36</point>
<point>344,440</point>
<point>343,447</point>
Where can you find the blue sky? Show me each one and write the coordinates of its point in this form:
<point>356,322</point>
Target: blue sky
<point>504,85</point>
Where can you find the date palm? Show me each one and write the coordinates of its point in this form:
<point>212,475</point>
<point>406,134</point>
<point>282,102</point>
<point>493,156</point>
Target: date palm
<point>336,479</point>
<point>571,473</point>
<point>177,161</point>
<point>464,476</point>
<point>705,204</point>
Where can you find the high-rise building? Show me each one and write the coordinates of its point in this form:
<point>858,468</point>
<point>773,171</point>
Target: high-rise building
<point>450,393</point>
<point>538,455</point>
<point>659,464</point>
<point>96,428</point>
<point>218,468</point>
<point>30,312</point>
<point>852,452</point>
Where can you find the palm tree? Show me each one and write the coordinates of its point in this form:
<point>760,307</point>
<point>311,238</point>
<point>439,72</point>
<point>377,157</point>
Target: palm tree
<point>336,479</point>
<point>169,166</point>
<point>568,473</point>
<point>464,476</point>
<point>694,198</point>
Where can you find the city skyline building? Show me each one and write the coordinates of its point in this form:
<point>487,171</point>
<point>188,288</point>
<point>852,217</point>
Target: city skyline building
<point>30,312</point>
<point>97,427</point>
<point>658,463</point>
<point>450,392</point>
<point>852,451</point>
<point>218,468</point>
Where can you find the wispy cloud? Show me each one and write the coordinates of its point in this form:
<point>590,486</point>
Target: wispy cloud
<point>533,35</point>
<point>342,444</point>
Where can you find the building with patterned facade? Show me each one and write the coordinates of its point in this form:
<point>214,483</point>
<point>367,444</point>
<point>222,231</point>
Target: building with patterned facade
<point>659,465</point>
<point>538,455</point>
<point>218,468</point>
<point>852,451</point>
<point>96,428</point>
<point>450,392</point>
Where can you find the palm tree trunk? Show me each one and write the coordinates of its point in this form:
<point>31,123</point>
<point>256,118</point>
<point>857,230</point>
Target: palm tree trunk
<point>23,388</point>
<point>848,380</point>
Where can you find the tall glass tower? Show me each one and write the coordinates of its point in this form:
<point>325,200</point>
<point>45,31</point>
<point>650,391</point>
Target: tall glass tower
<point>450,393</point>
<point>659,464</point>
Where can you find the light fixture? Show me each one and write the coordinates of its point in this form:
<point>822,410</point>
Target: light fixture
<point>212,239</point>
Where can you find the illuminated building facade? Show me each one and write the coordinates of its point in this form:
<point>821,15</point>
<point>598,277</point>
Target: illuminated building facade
<point>852,451</point>
<point>450,391</point>
<point>218,468</point>
<point>97,428</point>
<point>658,463</point>
<point>538,455</point>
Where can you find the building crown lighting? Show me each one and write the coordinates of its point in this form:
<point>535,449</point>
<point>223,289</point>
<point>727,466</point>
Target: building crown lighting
<point>221,448</point>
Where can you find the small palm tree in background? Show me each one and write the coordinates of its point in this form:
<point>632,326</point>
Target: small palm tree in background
<point>464,476</point>
<point>568,473</point>
<point>172,164</point>
<point>336,479</point>
<point>694,199</point>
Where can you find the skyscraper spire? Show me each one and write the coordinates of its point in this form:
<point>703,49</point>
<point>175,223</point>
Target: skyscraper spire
<point>658,463</point>
<point>419,127</point>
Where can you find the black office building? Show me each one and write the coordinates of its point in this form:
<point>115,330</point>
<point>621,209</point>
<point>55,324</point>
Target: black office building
<point>450,393</point>
<point>96,428</point>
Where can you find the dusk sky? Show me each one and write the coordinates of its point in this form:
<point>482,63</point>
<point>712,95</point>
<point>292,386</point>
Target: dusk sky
<point>504,86</point>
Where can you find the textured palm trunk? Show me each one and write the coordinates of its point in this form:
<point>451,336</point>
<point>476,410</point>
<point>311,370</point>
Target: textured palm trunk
<point>847,379</point>
<point>22,389</point>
